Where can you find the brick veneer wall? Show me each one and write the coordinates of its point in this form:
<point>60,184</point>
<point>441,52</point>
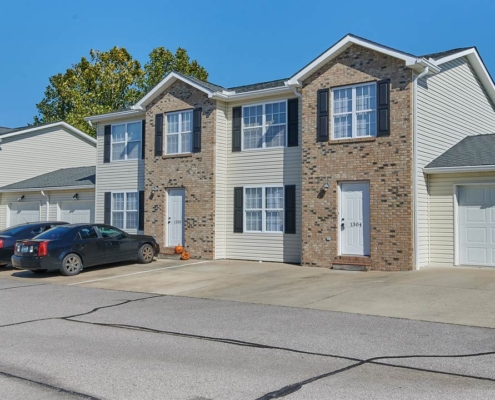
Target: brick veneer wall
<point>193,172</point>
<point>386,162</point>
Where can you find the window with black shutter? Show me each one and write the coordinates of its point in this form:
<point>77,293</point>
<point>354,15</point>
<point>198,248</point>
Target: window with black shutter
<point>322,105</point>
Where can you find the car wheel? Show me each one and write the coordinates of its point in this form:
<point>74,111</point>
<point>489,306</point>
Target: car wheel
<point>38,271</point>
<point>71,265</point>
<point>146,254</point>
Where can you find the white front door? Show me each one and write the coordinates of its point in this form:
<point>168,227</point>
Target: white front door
<point>21,213</point>
<point>355,218</point>
<point>76,212</point>
<point>175,217</point>
<point>477,225</point>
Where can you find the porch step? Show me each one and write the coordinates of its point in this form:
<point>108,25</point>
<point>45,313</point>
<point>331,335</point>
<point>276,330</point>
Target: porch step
<point>351,267</point>
<point>163,256</point>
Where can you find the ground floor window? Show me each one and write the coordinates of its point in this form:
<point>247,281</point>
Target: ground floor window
<point>264,209</point>
<point>125,210</point>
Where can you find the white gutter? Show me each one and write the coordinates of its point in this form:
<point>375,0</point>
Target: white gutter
<point>18,190</point>
<point>460,169</point>
<point>415,164</point>
<point>118,114</point>
<point>47,212</point>
<point>253,94</point>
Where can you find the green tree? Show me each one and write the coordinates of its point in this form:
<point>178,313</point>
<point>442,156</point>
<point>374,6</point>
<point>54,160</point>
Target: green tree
<point>106,82</point>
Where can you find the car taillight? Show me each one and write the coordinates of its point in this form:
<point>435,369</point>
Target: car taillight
<point>42,249</point>
<point>1,243</point>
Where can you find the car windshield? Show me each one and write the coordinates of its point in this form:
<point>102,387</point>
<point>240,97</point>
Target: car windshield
<point>14,230</point>
<point>55,233</point>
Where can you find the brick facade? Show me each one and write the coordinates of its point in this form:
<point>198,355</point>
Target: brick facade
<point>386,162</point>
<point>193,172</point>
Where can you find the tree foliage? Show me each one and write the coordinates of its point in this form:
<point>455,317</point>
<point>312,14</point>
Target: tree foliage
<point>108,81</point>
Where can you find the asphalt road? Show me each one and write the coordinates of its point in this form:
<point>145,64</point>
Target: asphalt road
<point>76,342</point>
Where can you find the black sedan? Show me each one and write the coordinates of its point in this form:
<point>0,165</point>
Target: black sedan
<point>69,248</point>
<point>9,236</point>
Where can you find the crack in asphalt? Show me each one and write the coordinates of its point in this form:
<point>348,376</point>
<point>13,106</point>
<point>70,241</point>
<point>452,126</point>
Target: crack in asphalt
<point>48,386</point>
<point>282,392</point>
<point>286,390</point>
<point>23,286</point>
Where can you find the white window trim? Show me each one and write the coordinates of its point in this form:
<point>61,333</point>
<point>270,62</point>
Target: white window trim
<point>179,133</point>
<point>354,112</point>
<point>125,192</point>
<point>125,142</point>
<point>264,127</point>
<point>263,208</point>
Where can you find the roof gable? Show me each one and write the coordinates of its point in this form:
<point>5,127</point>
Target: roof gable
<point>35,128</point>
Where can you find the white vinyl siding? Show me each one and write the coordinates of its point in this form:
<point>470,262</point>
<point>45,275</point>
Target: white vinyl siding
<point>32,154</point>
<point>442,235</point>
<point>56,198</point>
<point>451,106</point>
<point>221,151</point>
<point>272,167</point>
<point>115,176</point>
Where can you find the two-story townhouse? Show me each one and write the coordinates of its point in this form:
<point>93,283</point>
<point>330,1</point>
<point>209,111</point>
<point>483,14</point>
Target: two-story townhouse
<point>47,173</point>
<point>331,167</point>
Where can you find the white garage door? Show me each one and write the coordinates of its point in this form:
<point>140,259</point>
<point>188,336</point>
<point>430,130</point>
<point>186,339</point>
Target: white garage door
<point>24,212</point>
<point>76,212</point>
<point>477,225</point>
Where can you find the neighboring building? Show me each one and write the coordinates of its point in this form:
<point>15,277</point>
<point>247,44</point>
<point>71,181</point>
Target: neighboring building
<point>326,168</point>
<point>43,168</point>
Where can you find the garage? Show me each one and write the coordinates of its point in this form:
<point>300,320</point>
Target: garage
<point>76,212</point>
<point>23,212</point>
<point>476,225</point>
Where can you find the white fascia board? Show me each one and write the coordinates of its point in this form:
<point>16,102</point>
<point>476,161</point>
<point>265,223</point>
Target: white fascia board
<point>341,46</point>
<point>57,188</point>
<point>461,169</point>
<point>114,115</point>
<point>166,82</point>
<point>54,125</point>
<point>253,94</point>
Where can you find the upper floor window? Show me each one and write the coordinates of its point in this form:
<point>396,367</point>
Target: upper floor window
<point>179,132</point>
<point>354,111</point>
<point>126,141</point>
<point>264,125</point>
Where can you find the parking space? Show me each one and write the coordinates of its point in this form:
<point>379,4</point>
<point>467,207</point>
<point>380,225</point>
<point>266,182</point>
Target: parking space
<point>452,295</point>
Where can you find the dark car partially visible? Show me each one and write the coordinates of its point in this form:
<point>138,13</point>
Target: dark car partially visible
<point>69,248</point>
<point>9,236</point>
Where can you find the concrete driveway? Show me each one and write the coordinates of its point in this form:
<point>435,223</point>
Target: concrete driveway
<point>462,296</point>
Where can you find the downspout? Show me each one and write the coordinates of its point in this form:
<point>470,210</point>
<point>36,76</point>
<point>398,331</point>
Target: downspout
<point>296,92</point>
<point>47,205</point>
<point>415,162</point>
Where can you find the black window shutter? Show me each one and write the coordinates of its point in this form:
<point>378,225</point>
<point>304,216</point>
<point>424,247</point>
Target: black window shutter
<point>107,143</point>
<point>197,130</point>
<point>143,138</point>
<point>158,134</point>
<point>108,208</point>
<point>141,210</point>
<point>383,107</point>
<point>322,105</point>
<point>290,208</point>
<point>293,122</point>
<point>238,209</point>
<point>236,128</point>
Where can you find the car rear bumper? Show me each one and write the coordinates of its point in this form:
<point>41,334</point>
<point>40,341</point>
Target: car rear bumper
<point>33,263</point>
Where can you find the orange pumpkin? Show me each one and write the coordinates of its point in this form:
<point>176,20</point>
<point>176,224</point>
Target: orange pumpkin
<point>178,249</point>
<point>184,256</point>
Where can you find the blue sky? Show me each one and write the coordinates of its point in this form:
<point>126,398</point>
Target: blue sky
<point>237,42</point>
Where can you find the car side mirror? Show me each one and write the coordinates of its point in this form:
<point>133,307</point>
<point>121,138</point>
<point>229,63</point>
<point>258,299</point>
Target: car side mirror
<point>125,234</point>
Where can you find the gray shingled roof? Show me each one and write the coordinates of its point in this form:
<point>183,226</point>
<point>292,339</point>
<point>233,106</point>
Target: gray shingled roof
<point>469,152</point>
<point>442,54</point>
<point>206,85</point>
<point>3,129</point>
<point>258,86</point>
<point>67,177</point>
